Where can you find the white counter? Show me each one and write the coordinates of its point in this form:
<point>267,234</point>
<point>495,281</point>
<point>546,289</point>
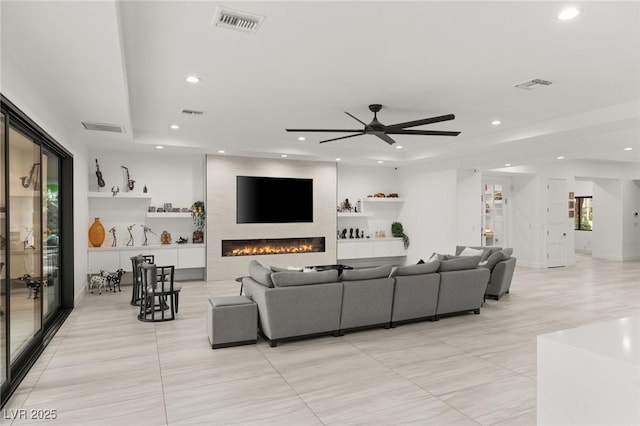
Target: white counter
<point>590,375</point>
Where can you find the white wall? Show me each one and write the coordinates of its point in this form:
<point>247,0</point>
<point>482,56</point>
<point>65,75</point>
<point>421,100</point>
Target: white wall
<point>428,215</point>
<point>468,207</point>
<point>358,181</point>
<point>221,213</point>
<point>631,220</point>
<point>607,219</point>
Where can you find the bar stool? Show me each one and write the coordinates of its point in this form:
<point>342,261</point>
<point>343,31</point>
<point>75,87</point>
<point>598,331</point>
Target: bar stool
<point>136,261</point>
<point>159,293</point>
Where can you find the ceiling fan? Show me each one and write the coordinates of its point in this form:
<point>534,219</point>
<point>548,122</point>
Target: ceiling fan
<point>383,131</point>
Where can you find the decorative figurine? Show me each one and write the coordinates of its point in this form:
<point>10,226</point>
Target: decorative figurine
<point>115,239</point>
<point>115,190</point>
<point>346,206</point>
<point>128,182</point>
<point>344,234</point>
<point>165,237</point>
<point>99,176</point>
<point>145,190</point>
<point>129,228</point>
<point>357,233</point>
<point>146,229</point>
<point>350,233</point>
<point>182,240</point>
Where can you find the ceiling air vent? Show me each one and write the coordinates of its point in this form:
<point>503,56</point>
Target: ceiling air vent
<point>530,84</point>
<point>192,112</point>
<point>237,20</point>
<point>103,127</point>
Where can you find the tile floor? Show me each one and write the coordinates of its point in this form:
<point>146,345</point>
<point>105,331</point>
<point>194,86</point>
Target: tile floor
<point>105,367</point>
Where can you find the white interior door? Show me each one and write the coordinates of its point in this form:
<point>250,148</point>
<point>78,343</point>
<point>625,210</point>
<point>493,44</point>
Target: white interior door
<point>557,198</point>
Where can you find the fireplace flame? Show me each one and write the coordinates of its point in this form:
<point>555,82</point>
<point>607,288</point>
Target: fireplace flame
<point>270,249</point>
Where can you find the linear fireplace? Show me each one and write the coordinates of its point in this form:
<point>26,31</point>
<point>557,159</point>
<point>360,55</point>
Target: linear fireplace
<point>272,246</point>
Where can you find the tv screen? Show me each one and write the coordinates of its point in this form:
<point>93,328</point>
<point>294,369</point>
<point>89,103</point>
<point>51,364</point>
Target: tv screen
<point>273,200</point>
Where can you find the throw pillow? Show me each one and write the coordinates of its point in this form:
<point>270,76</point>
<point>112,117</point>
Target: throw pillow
<point>468,251</point>
<point>493,260</point>
<point>459,264</point>
<point>420,262</point>
<point>260,274</point>
<point>366,273</point>
<point>507,251</point>
<point>290,279</point>
<point>423,268</point>
<point>279,269</point>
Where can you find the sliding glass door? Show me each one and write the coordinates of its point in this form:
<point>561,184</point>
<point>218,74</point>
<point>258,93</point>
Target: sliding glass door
<point>36,240</point>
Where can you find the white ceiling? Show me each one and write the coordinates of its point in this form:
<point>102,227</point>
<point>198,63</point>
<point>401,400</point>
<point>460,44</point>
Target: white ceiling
<point>125,63</point>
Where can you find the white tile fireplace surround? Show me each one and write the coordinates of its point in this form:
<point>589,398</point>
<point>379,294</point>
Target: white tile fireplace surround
<point>221,214</point>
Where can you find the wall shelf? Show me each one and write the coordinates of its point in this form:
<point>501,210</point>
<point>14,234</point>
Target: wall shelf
<point>345,214</point>
<point>120,195</point>
<point>382,200</point>
<point>170,215</point>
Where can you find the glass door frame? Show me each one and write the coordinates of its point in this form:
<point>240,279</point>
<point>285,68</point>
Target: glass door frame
<point>17,370</point>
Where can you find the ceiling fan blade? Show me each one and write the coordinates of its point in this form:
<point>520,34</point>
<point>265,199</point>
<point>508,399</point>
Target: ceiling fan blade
<point>343,137</point>
<point>325,130</point>
<point>384,137</point>
<point>415,123</point>
<point>423,132</point>
<point>356,118</point>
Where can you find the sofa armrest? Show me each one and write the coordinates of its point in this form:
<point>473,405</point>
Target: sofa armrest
<point>462,290</point>
<point>296,311</point>
<point>501,277</point>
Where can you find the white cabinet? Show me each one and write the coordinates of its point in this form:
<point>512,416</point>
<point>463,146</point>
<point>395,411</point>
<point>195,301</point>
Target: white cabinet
<point>374,221</point>
<point>192,257</point>
<point>180,255</point>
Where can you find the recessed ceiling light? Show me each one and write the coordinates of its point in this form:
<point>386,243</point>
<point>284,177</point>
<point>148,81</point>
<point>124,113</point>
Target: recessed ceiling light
<point>284,155</point>
<point>561,158</point>
<point>175,126</point>
<point>628,149</point>
<point>380,161</point>
<point>507,164</point>
<point>568,13</point>
<point>302,138</point>
<point>338,159</point>
<point>159,147</point>
<point>399,147</point>
<point>221,151</point>
<point>496,122</point>
<point>193,79</point>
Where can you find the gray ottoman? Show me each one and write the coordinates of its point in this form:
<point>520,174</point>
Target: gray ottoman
<point>232,321</point>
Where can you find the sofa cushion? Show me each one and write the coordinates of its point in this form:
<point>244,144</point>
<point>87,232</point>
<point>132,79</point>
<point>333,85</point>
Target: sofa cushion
<point>289,279</point>
<point>422,268</point>
<point>459,263</point>
<point>492,261</point>
<point>366,273</point>
<point>508,251</point>
<point>468,251</point>
<point>260,274</point>
<point>279,269</point>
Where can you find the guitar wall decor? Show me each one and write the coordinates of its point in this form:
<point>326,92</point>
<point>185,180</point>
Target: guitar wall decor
<point>99,175</point>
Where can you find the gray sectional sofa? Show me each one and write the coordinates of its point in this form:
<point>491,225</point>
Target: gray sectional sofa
<point>301,304</point>
<point>500,262</point>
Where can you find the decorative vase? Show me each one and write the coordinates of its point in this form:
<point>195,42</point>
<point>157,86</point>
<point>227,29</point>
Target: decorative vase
<point>198,237</point>
<point>96,233</point>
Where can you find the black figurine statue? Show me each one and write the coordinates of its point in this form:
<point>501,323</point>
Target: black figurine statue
<point>350,233</point>
<point>357,233</point>
<point>344,234</point>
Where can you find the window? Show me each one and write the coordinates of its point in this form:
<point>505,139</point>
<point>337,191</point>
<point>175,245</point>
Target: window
<point>584,213</point>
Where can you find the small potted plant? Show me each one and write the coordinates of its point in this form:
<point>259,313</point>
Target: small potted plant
<point>199,217</point>
<point>398,232</point>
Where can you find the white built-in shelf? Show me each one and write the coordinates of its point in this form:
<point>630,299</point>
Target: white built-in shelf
<point>383,200</point>
<point>170,215</point>
<point>366,240</point>
<point>131,195</point>
<point>346,214</point>
<point>172,245</point>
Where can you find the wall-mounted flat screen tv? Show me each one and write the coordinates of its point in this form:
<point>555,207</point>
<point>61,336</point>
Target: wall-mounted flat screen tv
<point>273,200</point>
